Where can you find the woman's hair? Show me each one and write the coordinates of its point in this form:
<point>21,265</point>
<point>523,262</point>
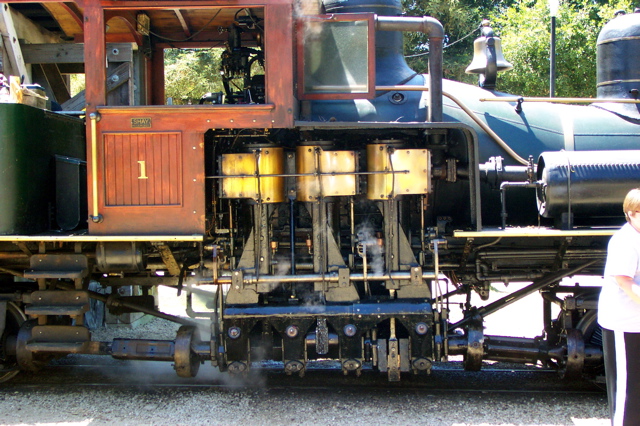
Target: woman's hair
<point>631,202</point>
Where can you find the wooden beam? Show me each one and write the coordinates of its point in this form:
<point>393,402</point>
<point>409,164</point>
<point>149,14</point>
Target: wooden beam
<point>57,83</point>
<point>128,19</point>
<point>68,17</point>
<point>72,53</point>
<point>13,47</point>
<point>95,52</point>
<point>71,68</point>
<point>119,76</point>
<point>157,77</point>
<point>77,103</point>
<point>183,23</point>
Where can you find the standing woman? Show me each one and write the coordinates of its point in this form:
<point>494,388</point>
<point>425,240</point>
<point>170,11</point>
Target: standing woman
<point>619,316</point>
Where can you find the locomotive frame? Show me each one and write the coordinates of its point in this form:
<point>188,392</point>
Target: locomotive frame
<point>326,220</point>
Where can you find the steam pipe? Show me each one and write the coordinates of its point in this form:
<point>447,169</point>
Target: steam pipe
<point>292,234</point>
<point>434,30</point>
<point>487,129</point>
<point>493,135</point>
<point>327,277</point>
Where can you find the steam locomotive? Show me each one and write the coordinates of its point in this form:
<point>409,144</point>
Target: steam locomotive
<point>339,203</point>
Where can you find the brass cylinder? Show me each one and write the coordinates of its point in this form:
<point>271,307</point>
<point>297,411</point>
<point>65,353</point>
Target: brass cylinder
<point>329,173</point>
<point>398,171</point>
<point>248,175</point>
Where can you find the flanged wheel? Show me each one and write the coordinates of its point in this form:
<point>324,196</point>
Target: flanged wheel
<point>27,360</point>
<point>592,336</point>
<point>186,360</point>
<point>475,347</point>
<point>574,364</point>
<point>8,363</point>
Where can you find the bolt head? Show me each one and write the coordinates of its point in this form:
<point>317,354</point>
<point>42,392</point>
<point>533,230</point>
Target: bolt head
<point>351,365</point>
<point>422,364</point>
<point>234,332</point>
<point>350,330</point>
<point>421,328</point>
<point>292,331</point>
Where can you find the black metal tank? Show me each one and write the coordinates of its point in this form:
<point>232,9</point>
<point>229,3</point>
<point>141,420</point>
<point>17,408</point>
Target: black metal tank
<point>586,184</point>
<point>618,68</point>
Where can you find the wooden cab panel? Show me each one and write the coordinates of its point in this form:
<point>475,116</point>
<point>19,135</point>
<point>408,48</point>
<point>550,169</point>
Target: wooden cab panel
<point>143,169</point>
<point>151,179</point>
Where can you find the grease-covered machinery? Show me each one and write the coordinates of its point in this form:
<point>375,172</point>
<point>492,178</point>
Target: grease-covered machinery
<point>329,202</point>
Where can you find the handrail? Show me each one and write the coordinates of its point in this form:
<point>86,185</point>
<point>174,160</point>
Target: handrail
<point>560,100</point>
<point>94,117</point>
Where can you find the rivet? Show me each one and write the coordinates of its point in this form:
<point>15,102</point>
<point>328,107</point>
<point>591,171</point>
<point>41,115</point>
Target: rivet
<point>234,332</point>
<point>349,330</point>
<point>421,328</point>
<point>291,331</point>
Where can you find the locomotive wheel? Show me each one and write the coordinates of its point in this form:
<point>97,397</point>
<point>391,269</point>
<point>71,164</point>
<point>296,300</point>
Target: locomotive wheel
<point>8,362</point>
<point>592,336</point>
<point>186,361</point>
<point>27,360</point>
<point>574,364</point>
<point>475,348</point>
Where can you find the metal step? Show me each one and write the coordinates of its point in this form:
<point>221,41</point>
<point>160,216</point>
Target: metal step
<point>58,302</point>
<point>59,338</point>
<point>57,266</point>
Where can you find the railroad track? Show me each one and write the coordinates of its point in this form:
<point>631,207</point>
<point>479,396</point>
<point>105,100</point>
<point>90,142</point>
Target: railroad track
<point>77,372</point>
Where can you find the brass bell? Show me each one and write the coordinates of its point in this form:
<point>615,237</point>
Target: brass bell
<point>488,59</point>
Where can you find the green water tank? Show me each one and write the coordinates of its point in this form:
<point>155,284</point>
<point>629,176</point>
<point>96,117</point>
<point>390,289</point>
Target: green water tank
<point>31,140</point>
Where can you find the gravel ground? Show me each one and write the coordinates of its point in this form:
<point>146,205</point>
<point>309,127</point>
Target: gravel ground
<point>98,406</point>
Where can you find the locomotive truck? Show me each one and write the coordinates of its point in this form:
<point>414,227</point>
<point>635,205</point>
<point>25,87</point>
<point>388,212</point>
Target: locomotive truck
<point>328,203</point>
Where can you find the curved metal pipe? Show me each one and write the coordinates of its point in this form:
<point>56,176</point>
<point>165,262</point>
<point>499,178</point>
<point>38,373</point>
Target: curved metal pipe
<point>493,135</point>
<point>487,129</point>
<point>435,32</point>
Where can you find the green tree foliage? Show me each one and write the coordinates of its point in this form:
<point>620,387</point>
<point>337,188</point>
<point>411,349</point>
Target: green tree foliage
<point>461,20</point>
<point>190,73</point>
<point>524,28</point>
